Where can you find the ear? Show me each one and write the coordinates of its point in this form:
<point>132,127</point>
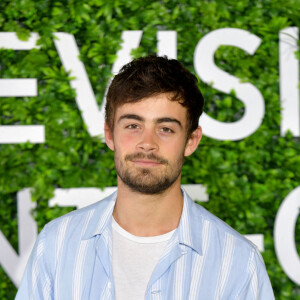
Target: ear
<point>193,141</point>
<point>109,137</point>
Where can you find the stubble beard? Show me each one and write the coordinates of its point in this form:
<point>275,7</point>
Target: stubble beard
<point>146,180</point>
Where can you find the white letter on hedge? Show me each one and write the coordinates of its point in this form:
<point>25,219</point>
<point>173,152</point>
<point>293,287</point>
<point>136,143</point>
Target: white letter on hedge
<point>284,235</point>
<point>207,70</point>
<point>167,44</point>
<point>14,134</point>
<point>289,80</point>
<point>85,98</point>
<point>13,264</point>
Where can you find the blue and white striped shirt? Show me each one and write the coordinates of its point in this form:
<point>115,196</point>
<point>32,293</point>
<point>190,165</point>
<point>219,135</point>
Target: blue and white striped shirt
<point>205,259</point>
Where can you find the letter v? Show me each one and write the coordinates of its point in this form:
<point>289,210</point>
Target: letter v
<point>68,52</point>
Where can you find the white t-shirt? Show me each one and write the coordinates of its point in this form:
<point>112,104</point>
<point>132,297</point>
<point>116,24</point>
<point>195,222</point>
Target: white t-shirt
<point>134,259</point>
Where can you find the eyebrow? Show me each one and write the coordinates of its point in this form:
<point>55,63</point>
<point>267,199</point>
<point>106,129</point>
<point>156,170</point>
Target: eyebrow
<point>131,116</point>
<point>158,121</point>
<point>170,120</point>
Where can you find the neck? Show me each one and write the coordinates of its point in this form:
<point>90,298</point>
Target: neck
<point>148,215</point>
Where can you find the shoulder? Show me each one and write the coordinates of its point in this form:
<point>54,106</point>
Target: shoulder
<point>221,234</point>
<point>74,226</point>
<point>77,217</point>
<point>237,257</point>
<point>62,238</point>
<point>239,260</point>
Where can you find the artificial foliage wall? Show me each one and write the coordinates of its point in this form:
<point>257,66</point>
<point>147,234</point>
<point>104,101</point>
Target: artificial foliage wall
<point>246,179</point>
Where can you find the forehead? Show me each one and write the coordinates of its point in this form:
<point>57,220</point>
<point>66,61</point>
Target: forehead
<point>154,107</point>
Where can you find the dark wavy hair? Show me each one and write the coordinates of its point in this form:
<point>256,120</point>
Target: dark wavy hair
<point>148,76</point>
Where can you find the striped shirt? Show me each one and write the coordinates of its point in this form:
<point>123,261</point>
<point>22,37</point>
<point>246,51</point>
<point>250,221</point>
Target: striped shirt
<point>205,259</point>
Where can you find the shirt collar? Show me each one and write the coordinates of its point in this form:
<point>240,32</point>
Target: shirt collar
<point>101,217</point>
<point>189,229</point>
<point>190,225</point>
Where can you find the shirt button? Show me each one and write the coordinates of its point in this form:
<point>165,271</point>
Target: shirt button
<point>155,292</point>
<point>109,284</point>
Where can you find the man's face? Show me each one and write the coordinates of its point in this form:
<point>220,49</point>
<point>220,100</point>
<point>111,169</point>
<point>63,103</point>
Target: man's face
<point>150,141</point>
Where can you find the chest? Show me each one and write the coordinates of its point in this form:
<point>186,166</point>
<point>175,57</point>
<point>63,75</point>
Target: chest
<point>180,275</point>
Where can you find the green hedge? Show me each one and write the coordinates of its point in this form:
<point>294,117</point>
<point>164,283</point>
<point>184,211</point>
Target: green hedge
<point>246,180</point>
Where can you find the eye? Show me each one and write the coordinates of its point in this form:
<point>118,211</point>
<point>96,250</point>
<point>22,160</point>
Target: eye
<point>132,126</point>
<point>166,130</point>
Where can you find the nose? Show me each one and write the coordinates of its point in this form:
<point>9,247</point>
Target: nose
<point>148,141</point>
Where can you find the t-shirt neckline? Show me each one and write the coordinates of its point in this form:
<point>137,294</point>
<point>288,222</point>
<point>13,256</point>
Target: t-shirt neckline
<point>141,239</point>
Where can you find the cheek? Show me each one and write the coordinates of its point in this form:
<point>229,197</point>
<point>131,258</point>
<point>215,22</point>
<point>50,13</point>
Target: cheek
<point>125,142</point>
<point>173,151</point>
<point>177,144</point>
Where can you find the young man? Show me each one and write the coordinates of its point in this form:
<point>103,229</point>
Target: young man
<point>148,240</point>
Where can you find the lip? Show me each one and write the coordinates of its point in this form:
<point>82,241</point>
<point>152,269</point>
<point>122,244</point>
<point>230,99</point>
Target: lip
<point>146,163</point>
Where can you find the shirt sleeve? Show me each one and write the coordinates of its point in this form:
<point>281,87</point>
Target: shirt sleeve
<point>36,282</point>
<point>258,285</point>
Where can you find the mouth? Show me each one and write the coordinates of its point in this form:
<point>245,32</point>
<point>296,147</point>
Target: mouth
<point>146,163</point>
<point>143,160</point>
